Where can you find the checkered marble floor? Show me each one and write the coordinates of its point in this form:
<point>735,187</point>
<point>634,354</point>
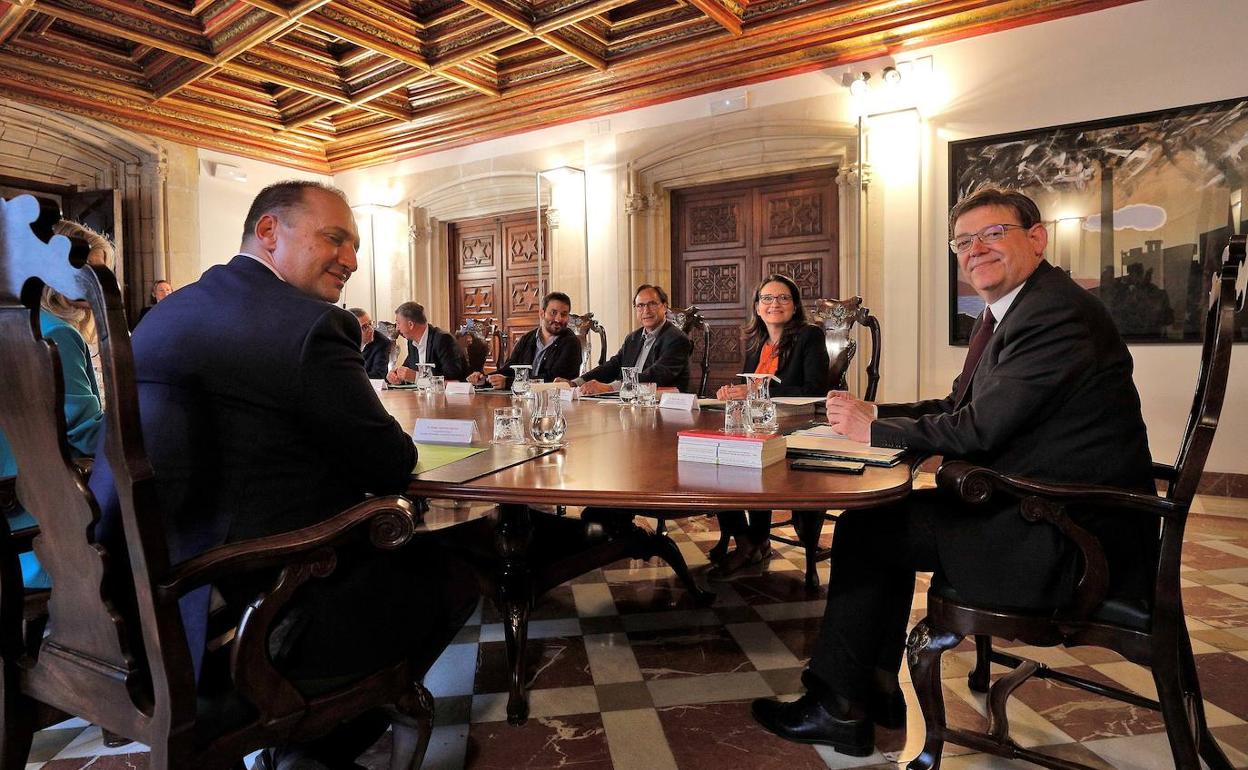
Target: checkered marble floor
<point>627,673</point>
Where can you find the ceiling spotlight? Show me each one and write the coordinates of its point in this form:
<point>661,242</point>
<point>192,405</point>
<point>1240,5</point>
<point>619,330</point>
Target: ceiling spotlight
<point>859,85</point>
<point>891,76</point>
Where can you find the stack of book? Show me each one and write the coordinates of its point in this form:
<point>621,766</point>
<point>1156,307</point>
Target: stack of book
<point>823,443</point>
<point>741,449</point>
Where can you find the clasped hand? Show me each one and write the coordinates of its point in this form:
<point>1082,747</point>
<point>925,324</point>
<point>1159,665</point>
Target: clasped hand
<point>850,416</point>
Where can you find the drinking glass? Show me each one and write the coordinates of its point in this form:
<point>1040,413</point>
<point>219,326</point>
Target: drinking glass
<point>647,394</point>
<point>423,373</point>
<point>437,384</point>
<point>547,424</point>
<point>628,386</point>
<point>520,384</point>
<point>735,416</point>
<point>507,425</point>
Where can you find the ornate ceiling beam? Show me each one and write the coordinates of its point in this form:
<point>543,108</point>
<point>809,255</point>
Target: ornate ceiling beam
<point>513,19</point>
<point>724,16</point>
<point>100,25</point>
<point>14,17</point>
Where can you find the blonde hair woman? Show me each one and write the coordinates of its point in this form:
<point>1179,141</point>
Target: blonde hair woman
<point>70,325</point>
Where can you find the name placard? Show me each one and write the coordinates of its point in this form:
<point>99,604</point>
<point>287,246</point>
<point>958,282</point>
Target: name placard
<point>459,388</point>
<point>437,431</point>
<point>568,394</point>
<point>684,401</point>
<point>538,387</point>
<point>378,385</point>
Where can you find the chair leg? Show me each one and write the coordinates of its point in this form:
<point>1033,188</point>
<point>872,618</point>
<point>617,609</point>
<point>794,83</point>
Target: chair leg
<point>980,676</point>
<point>1208,748</point>
<point>809,525</point>
<point>412,727</point>
<point>17,721</point>
<point>1169,681</point>
<point>923,651</point>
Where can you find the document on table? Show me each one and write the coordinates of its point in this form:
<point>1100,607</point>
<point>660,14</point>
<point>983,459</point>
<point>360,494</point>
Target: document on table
<point>832,448</point>
<point>430,456</point>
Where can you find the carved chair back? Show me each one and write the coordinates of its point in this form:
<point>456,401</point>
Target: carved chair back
<point>477,337</point>
<point>583,325</point>
<point>1151,634</point>
<point>689,320</point>
<point>837,317</point>
<point>114,650</point>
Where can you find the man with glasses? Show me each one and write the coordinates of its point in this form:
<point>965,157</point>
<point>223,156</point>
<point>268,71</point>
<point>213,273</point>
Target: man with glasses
<point>1045,393</point>
<point>374,346</point>
<point>659,350</point>
<point>551,349</point>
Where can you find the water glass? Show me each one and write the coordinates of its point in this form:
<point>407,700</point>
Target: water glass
<point>520,384</point>
<point>762,416</point>
<point>547,425</point>
<point>508,428</point>
<point>437,384</point>
<point>647,394</point>
<point>735,416</point>
<point>628,385</point>
<point>423,373</point>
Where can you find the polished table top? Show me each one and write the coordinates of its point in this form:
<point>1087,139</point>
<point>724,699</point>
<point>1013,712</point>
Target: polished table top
<point>626,456</point>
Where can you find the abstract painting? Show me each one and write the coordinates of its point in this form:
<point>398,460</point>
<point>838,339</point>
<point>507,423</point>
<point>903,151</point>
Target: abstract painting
<point>1138,209</point>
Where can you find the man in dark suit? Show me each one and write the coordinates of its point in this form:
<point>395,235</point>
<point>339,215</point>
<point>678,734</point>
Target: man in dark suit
<point>426,344</point>
<point>271,426</point>
<point>551,349</point>
<point>1046,393</point>
<point>376,350</point>
<point>658,349</point>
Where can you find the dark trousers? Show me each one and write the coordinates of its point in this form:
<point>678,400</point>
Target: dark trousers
<point>756,531</point>
<point>875,554</point>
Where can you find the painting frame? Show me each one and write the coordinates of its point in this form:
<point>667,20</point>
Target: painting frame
<point>1138,173</point>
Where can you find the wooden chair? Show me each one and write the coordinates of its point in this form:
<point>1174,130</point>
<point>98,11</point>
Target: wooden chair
<point>114,650</point>
<point>689,320</point>
<point>1152,634</point>
<point>477,337</point>
<point>837,317</point>
<point>583,325</point>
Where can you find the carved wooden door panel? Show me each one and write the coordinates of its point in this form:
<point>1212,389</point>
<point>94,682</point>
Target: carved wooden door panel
<point>494,272</point>
<point>726,237</point>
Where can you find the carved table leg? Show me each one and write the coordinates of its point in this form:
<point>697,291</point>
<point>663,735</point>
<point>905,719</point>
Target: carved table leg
<point>515,598</point>
<point>659,544</point>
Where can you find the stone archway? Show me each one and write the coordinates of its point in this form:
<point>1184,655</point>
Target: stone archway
<point>42,145</point>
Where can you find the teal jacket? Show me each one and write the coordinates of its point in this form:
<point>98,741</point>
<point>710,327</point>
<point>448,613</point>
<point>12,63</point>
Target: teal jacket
<point>83,420</point>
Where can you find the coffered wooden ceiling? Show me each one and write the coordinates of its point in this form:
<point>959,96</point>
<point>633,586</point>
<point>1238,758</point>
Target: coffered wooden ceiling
<point>328,85</point>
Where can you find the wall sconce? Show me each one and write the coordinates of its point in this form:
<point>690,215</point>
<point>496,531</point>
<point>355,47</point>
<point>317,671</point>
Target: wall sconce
<point>857,84</point>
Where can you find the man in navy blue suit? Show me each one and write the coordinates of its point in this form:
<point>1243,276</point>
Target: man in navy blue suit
<point>259,418</point>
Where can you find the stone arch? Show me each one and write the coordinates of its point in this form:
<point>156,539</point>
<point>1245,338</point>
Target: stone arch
<point>42,145</point>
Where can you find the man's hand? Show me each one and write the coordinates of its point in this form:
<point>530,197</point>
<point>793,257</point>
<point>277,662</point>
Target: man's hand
<point>594,387</point>
<point>475,377</point>
<point>401,375</point>
<point>730,392</point>
<point>850,416</point>
<point>497,380</point>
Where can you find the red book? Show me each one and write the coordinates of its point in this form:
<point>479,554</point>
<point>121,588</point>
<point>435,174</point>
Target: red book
<point>719,435</point>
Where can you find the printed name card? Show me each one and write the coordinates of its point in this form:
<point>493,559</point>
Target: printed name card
<point>459,388</point>
<point>378,385</point>
<point>538,387</point>
<point>437,431</point>
<point>683,401</point>
<point>569,394</point>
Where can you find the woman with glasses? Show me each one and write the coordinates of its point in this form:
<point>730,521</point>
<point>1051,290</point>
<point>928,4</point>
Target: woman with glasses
<point>781,342</point>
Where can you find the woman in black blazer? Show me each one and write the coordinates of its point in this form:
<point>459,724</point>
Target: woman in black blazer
<point>778,340</point>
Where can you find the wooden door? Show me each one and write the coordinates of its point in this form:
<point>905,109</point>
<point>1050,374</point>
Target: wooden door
<point>494,272</point>
<point>726,237</point>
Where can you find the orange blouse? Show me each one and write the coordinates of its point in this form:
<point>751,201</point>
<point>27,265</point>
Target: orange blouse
<point>768,360</point>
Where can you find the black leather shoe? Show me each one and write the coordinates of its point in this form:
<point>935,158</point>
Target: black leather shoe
<point>807,720</point>
<point>888,710</point>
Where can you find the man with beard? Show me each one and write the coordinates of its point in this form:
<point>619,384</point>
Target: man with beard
<point>551,349</point>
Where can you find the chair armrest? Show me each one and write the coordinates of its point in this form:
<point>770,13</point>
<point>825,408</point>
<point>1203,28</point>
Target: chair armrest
<point>1163,472</point>
<point>391,521</point>
<point>976,484</point>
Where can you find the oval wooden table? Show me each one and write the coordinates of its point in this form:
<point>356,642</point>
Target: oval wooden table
<point>619,457</point>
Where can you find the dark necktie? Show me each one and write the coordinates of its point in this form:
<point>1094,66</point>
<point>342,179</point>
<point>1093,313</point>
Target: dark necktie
<point>980,341</point>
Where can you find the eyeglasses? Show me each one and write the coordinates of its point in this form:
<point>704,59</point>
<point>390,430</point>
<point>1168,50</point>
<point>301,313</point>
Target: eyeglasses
<point>780,299</point>
<point>651,305</point>
<point>366,326</point>
<point>990,234</point>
